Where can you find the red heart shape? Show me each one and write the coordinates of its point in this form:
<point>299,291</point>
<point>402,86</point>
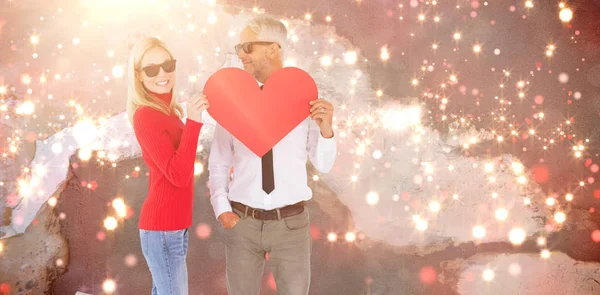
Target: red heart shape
<point>260,119</point>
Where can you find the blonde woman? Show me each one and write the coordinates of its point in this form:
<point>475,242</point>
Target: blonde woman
<point>169,150</point>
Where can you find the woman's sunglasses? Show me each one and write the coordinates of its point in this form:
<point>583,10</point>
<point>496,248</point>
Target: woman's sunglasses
<point>152,70</point>
<point>247,47</point>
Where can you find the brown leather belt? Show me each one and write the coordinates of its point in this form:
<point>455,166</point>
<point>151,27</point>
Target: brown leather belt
<point>275,214</point>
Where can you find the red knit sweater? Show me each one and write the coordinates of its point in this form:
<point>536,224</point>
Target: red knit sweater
<point>169,150</point>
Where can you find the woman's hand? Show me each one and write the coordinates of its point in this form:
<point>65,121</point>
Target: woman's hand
<point>195,106</point>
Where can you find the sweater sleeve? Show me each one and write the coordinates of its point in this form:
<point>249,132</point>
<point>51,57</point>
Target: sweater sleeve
<point>177,165</point>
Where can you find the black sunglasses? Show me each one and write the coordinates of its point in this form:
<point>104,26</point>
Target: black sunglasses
<point>152,70</point>
<point>247,47</point>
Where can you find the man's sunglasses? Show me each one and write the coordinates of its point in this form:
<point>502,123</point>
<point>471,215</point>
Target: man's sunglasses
<point>247,47</point>
<point>152,70</point>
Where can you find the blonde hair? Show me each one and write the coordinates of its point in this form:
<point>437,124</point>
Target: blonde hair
<point>137,94</point>
<point>270,29</point>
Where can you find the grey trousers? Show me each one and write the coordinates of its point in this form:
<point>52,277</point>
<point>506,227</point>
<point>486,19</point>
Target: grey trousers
<point>288,243</point>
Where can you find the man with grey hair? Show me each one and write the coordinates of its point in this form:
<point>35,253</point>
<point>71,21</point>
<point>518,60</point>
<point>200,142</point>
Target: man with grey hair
<point>264,210</point>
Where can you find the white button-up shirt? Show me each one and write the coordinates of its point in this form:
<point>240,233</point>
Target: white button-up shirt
<point>289,168</point>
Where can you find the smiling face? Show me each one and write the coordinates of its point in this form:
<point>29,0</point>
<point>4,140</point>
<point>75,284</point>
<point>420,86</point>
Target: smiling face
<point>263,59</point>
<point>163,82</point>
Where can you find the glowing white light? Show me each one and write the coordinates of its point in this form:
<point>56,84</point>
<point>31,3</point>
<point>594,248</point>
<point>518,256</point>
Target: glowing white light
<point>434,206</point>
<point>117,71</point>
<point>350,57</point>
<point>372,198</point>
<point>25,189</point>
<point>377,154</point>
<point>545,254</point>
<point>560,217</point>
<point>565,15</point>
<point>350,237</point>
<point>26,108</point>
<point>332,237</point>
<point>563,78</point>
<point>428,168</point>
<point>198,168</point>
<point>541,241</point>
<point>109,286</point>
<point>421,224</point>
<point>501,214</point>
<point>326,60</point>
<point>569,197</point>
<point>212,19</point>
<point>517,167</point>
<point>85,154</point>
<point>385,54</point>
<point>110,223</point>
<point>517,236</point>
<point>289,63</point>
<point>400,119</point>
<point>479,232</point>
<point>84,132</point>
<point>119,206</point>
<point>529,4</point>
<point>488,275</point>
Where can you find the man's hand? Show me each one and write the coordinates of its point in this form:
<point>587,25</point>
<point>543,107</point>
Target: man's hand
<point>322,112</point>
<point>228,219</point>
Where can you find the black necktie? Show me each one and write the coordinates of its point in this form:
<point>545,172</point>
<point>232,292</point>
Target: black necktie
<point>268,179</point>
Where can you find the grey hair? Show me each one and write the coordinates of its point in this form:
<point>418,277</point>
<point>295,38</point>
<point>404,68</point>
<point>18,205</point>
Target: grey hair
<point>270,29</point>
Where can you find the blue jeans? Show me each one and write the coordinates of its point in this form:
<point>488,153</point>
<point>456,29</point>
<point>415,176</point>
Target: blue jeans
<point>165,253</point>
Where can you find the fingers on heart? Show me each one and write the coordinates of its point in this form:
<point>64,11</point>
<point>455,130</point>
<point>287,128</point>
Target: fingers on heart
<point>320,109</point>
